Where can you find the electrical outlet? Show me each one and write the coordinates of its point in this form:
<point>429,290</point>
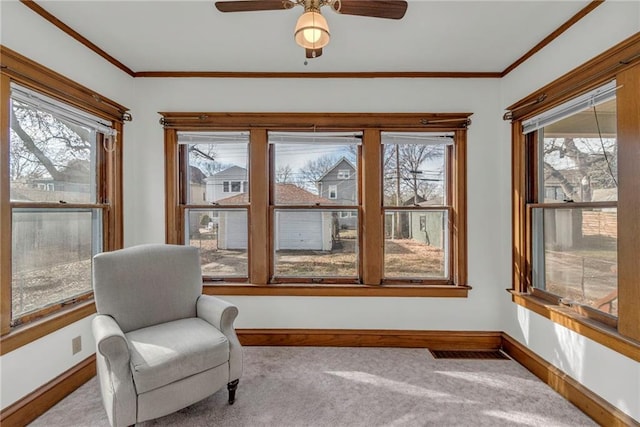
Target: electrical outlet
<point>76,345</point>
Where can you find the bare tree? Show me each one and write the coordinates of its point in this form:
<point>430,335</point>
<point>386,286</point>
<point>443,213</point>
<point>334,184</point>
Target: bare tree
<point>205,158</point>
<point>284,175</point>
<point>591,163</point>
<point>412,158</point>
<point>313,170</point>
<point>403,166</point>
<point>46,146</point>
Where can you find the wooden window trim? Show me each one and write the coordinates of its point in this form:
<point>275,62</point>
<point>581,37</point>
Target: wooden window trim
<point>21,70</point>
<point>338,290</point>
<point>629,203</point>
<point>456,185</point>
<point>459,204</point>
<point>621,63</point>
<point>29,73</point>
<point>274,206</point>
<point>584,78</point>
<point>5,209</point>
<point>596,330</point>
<point>30,332</point>
<point>371,243</point>
<point>370,208</point>
<point>259,215</point>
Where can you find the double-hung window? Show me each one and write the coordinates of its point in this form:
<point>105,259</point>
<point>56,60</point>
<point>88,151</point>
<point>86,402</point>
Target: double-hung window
<point>62,170</point>
<point>575,239</point>
<point>575,200</point>
<point>214,208</point>
<point>416,200</point>
<point>314,237</point>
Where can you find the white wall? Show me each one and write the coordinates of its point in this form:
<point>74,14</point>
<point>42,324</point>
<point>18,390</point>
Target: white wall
<point>30,35</point>
<point>29,367</point>
<point>614,377</point>
<point>487,232</point>
<point>35,364</point>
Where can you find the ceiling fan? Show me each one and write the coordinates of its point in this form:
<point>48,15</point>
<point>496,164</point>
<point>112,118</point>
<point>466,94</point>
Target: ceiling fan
<point>312,30</point>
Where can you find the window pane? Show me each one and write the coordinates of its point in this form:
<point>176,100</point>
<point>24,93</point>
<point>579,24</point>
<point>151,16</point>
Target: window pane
<point>580,156</point>
<point>217,167</point>
<point>414,174</point>
<point>308,173</point>
<point>221,236</point>
<point>575,256</point>
<point>416,244</point>
<point>316,243</point>
<point>51,158</point>
<point>51,256</point>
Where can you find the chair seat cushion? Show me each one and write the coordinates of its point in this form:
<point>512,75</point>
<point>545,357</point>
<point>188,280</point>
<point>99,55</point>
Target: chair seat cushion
<point>168,352</point>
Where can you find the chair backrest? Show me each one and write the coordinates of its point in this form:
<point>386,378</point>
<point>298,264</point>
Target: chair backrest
<point>145,285</point>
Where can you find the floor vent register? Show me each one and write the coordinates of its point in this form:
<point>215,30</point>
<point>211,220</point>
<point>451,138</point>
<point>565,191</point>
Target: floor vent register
<point>468,354</point>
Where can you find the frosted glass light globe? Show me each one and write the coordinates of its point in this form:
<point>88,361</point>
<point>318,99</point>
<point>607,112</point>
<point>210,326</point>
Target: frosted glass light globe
<point>312,31</point>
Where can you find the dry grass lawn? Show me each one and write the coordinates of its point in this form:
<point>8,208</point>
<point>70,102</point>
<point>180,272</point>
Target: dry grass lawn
<point>581,276</point>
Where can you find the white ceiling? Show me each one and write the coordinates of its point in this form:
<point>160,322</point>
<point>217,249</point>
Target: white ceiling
<point>445,36</point>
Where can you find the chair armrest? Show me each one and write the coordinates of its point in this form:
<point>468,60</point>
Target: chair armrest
<point>114,371</point>
<point>110,340</point>
<point>221,314</point>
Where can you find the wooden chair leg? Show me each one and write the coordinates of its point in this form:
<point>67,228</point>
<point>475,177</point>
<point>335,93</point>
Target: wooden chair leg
<point>232,387</point>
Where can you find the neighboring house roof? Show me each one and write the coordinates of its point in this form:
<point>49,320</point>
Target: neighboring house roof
<point>604,195</point>
<point>414,200</point>
<point>436,201</point>
<point>338,163</point>
<point>286,194</point>
<point>238,199</point>
<point>290,193</point>
<point>196,176</point>
<point>77,170</point>
<point>230,172</point>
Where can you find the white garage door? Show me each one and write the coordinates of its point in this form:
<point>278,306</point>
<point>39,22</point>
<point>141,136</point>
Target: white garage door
<point>232,230</point>
<point>299,230</point>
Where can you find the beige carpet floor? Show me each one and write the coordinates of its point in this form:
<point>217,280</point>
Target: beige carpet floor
<point>329,386</point>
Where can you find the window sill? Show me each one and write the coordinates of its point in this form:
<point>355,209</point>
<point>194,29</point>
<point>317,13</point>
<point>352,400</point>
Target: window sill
<point>338,290</point>
<point>24,334</point>
<point>598,332</point>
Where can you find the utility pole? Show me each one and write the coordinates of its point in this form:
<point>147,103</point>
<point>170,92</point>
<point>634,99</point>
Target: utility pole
<point>415,185</point>
<point>398,202</point>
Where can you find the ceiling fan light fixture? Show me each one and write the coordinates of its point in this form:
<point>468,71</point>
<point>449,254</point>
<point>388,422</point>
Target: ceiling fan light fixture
<point>312,31</point>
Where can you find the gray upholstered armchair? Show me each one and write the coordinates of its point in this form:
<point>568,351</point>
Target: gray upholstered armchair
<point>160,344</point>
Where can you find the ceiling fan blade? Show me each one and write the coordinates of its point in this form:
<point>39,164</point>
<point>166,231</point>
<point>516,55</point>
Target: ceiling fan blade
<point>390,9</point>
<point>312,53</point>
<point>253,5</point>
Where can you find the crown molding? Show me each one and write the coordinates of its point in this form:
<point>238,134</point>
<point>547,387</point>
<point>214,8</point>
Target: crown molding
<point>74,34</point>
<point>555,34</point>
<point>35,7</point>
<point>322,75</point>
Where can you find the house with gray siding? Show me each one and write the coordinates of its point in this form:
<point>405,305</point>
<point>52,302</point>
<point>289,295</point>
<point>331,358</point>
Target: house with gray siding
<point>339,184</point>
